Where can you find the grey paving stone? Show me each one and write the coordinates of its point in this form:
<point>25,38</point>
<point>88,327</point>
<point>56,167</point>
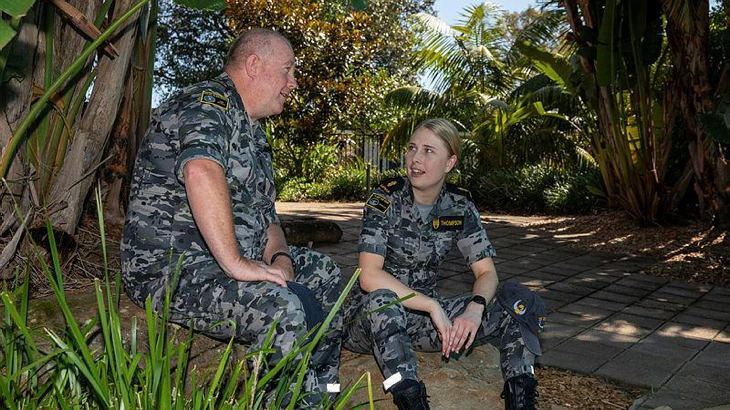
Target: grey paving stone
<point>559,270</point>
<point>669,351</point>
<point>648,278</point>
<point>572,320</point>
<point>614,297</point>
<point>592,283</point>
<point>571,361</point>
<point>639,368</point>
<point>649,312</point>
<point>699,287</point>
<point>553,305</point>
<point>625,290</point>
<point>588,312</point>
<point>609,271</point>
<point>688,331</point>
<point>606,338</point>
<point>663,339</point>
<point>718,297</point>
<point>674,290</point>
<point>655,304</point>
<point>555,295</point>
<point>510,268</point>
<point>629,325</point>
<point>717,306</point>
<point>700,321</point>
<point>530,282</point>
<point>589,348</point>
<point>601,303</point>
<point>539,274</point>
<point>709,313</point>
<point>671,298</point>
<point>698,389</point>
<point>719,375</point>
<point>597,276</point>
<point>638,284</point>
<point>641,321</point>
<point>572,289</point>
<point>724,336</point>
<point>715,353</point>
<point>449,288</point>
<point>504,276</point>
<point>675,401</point>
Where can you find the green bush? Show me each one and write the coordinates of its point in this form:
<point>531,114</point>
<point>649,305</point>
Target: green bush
<point>534,188</point>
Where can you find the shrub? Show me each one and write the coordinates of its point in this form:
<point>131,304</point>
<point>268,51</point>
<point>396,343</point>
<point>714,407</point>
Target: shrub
<point>62,370</point>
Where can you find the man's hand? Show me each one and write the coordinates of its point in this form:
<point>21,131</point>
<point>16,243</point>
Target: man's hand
<point>247,270</point>
<point>285,265</point>
<point>442,324</point>
<point>465,327</point>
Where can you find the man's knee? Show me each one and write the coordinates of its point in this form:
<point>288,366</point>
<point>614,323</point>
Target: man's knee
<point>291,323</point>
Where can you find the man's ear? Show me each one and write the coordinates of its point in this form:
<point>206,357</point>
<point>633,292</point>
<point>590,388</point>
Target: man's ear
<point>253,65</point>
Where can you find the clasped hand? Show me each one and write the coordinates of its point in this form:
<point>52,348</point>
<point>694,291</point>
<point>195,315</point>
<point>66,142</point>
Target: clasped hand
<point>459,333</point>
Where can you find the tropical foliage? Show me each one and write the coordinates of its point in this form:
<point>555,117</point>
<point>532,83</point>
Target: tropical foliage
<point>93,365</point>
<point>582,85</point>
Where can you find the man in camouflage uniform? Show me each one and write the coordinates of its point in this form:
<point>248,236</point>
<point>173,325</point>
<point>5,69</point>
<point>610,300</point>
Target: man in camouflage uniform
<point>203,191</point>
<point>414,247</point>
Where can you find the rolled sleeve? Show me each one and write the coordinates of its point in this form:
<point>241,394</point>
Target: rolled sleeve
<point>375,228</point>
<point>473,242</point>
<point>204,134</point>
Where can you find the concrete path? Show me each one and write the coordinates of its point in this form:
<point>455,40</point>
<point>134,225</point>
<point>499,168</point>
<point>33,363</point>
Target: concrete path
<point>605,318</point>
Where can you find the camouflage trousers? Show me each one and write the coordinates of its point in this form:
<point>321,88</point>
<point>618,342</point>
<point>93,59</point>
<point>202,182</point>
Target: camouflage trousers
<point>394,333</point>
<point>246,311</point>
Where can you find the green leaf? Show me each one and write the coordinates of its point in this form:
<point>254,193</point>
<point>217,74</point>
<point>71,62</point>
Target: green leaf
<point>605,51</point>
<point>6,33</point>
<point>16,8</point>
<point>359,4</point>
<point>210,5</point>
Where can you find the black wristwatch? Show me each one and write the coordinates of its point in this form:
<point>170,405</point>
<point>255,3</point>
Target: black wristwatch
<point>480,300</point>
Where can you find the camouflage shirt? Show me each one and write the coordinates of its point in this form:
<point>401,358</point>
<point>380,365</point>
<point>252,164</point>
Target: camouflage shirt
<point>414,248</point>
<point>205,120</point>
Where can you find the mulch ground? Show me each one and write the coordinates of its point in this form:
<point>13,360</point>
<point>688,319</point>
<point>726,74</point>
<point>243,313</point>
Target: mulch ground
<point>691,251</point>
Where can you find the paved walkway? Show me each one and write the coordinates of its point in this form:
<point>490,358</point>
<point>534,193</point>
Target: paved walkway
<point>605,317</point>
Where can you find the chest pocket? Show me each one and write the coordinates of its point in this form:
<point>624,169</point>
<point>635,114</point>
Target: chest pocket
<point>404,243</point>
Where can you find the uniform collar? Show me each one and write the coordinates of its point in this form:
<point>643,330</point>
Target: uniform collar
<point>443,204</point>
<point>227,81</point>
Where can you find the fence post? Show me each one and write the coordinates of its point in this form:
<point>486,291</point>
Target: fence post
<point>367,179</point>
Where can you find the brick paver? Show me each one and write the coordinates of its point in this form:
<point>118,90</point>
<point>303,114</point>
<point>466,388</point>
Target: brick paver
<point>606,316</point>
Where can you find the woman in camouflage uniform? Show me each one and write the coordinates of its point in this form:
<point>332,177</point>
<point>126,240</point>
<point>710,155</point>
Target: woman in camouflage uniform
<point>409,225</point>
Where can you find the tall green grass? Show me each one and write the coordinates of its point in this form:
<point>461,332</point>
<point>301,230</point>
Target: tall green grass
<point>94,366</point>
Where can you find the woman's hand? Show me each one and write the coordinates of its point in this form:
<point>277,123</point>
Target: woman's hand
<point>465,327</point>
<point>442,323</point>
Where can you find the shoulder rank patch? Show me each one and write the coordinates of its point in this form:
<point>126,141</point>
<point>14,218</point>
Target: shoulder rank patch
<point>448,223</point>
<point>391,185</point>
<point>458,190</point>
<point>378,203</point>
<point>209,97</point>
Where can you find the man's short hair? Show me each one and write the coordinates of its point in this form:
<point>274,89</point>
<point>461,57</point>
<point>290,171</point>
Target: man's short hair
<point>255,41</point>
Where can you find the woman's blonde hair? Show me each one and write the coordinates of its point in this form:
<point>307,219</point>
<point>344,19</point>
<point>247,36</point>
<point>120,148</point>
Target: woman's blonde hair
<point>446,131</point>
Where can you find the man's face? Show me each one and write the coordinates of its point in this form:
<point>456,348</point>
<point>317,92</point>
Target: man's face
<point>276,78</point>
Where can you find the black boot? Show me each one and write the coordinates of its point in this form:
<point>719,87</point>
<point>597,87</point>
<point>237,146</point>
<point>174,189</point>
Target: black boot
<point>410,396</point>
<point>520,393</point>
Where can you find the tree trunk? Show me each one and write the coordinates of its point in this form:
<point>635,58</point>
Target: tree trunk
<point>84,156</point>
<point>689,50</point>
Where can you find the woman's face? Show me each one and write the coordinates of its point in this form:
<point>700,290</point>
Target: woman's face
<point>427,160</point>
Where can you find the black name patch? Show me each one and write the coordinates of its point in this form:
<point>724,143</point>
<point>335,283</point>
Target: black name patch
<point>448,223</point>
<point>378,203</point>
<point>209,97</point>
